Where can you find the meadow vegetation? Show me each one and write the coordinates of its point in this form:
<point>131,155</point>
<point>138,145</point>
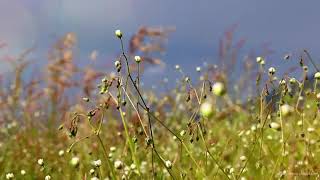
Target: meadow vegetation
<point>255,124</point>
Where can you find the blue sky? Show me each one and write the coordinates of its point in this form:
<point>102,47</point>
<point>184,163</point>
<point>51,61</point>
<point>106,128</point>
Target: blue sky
<point>288,25</point>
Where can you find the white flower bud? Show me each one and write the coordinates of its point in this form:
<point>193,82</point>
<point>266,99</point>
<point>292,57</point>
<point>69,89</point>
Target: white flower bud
<point>118,33</point>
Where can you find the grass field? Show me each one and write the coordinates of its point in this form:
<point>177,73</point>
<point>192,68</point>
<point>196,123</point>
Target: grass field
<point>207,127</point>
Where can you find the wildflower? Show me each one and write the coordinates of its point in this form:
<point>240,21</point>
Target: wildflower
<point>94,178</point>
<point>272,70</point>
<point>118,164</point>
<point>40,162</point>
<point>85,99</point>
<point>133,166</point>
<point>137,59</point>
<point>292,81</point>
<point>9,176</point>
<point>48,177</point>
<point>91,171</point>
<point>117,64</point>
<point>317,75</point>
<point>243,158</point>
<point>61,152</point>
<point>259,59</point>
<point>206,110</point>
<point>182,133</point>
<point>22,172</point>
<point>118,33</point>
<point>168,164</point>
<point>286,110</point>
<point>198,69</point>
<point>219,89</point>
<point>310,129</point>
<point>275,126</point>
<point>282,82</point>
<point>177,67</point>
<point>113,149</point>
<point>97,163</point>
<point>75,161</point>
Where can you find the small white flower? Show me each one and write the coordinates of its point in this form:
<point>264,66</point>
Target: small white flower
<point>275,126</point>
<point>198,69</point>
<point>91,171</point>
<point>137,59</point>
<point>286,109</point>
<point>272,70</point>
<point>133,166</point>
<point>292,80</point>
<point>182,133</point>
<point>61,153</point>
<point>9,176</point>
<point>48,177</point>
<point>310,129</point>
<point>168,164</point>
<point>40,162</point>
<point>282,82</point>
<point>259,59</point>
<point>317,75</point>
<point>94,178</point>
<point>23,172</point>
<point>206,109</point>
<point>113,149</point>
<point>75,161</point>
<point>243,158</point>
<point>118,33</point>
<point>177,67</point>
<point>219,89</point>
<point>97,163</point>
<point>117,64</point>
<point>118,164</point>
